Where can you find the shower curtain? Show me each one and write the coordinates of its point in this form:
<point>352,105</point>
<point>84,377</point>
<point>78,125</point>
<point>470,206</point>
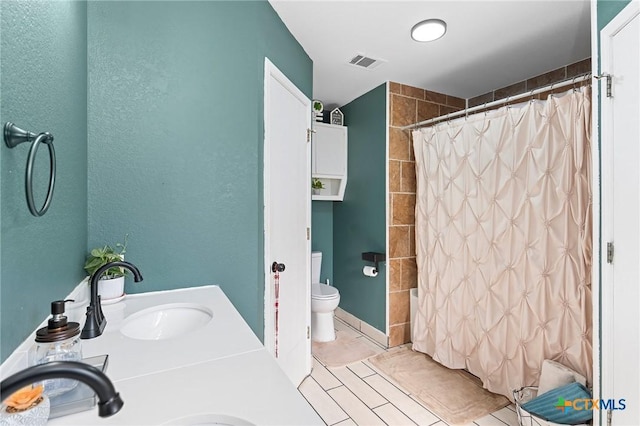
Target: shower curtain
<point>503,239</point>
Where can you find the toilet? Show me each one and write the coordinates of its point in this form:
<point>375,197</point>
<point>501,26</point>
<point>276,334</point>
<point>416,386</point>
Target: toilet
<point>324,300</point>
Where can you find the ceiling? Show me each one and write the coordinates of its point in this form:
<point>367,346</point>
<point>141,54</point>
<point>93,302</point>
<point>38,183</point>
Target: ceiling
<point>488,44</point>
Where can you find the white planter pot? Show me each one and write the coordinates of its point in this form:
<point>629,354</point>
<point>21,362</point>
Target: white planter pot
<point>111,288</point>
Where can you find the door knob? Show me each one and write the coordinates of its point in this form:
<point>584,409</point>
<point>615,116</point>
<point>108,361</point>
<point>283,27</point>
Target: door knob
<point>277,267</point>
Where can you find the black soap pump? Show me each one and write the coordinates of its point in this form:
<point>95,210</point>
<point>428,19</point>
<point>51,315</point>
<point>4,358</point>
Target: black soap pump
<point>58,341</point>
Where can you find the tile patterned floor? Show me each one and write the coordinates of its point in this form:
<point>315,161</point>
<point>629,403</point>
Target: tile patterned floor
<point>358,394</point>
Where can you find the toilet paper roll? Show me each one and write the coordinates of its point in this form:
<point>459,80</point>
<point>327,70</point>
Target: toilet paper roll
<point>370,271</point>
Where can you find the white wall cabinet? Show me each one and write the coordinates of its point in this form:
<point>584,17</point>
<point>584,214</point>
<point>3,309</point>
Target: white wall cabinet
<point>329,160</point>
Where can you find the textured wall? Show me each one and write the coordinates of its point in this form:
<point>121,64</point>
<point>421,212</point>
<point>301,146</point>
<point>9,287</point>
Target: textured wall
<point>608,9</point>
<point>175,125</point>
<point>322,236</point>
<point>359,221</point>
<point>43,87</point>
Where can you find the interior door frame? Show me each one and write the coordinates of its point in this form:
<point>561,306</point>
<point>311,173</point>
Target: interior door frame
<point>596,213</point>
<point>271,71</point>
<point>603,302</point>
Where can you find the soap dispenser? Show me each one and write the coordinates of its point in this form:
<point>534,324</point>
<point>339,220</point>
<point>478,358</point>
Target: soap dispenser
<point>58,341</point>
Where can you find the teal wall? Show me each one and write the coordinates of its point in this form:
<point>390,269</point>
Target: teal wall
<point>608,9</point>
<point>359,223</point>
<point>322,236</point>
<point>156,109</point>
<point>43,86</point>
<point>175,122</point>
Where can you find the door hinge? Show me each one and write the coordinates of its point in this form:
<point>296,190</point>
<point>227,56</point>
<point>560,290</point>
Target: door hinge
<point>308,333</point>
<point>609,414</point>
<point>608,78</point>
<point>308,233</point>
<point>610,252</point>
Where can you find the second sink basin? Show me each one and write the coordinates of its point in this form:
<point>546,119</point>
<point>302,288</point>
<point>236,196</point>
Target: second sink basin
<point>166,321</point>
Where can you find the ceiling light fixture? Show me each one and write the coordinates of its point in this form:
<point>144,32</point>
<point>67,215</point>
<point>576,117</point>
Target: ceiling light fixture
<point>429,30</point>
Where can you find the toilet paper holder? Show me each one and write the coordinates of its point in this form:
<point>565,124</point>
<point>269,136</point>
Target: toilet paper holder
<point>371,256</point>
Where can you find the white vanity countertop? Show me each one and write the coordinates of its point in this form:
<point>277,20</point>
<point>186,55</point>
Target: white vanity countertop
<point>249,386</point>
<point>225,335</point>
<point>218,370</point>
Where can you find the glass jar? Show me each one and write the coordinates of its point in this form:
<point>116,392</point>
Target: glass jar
<point>59,341</point>
<point>66,350</point>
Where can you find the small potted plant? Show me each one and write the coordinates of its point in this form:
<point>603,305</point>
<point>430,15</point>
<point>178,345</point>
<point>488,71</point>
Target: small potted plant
<point>316,185</point>
<point>317,109</point>
<point>111,284</point>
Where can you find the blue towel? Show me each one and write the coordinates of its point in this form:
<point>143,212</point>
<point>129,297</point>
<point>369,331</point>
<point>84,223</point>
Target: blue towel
<point>557,405</point>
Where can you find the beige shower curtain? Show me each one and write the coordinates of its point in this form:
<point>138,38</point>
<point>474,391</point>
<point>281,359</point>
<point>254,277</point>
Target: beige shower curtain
<point>503,237</point>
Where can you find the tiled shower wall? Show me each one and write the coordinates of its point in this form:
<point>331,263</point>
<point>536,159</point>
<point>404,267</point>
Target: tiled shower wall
<point>408,105</point>
<point>557,75</point>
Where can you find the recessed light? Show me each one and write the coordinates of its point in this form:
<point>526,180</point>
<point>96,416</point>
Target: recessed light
<point>429,30</point>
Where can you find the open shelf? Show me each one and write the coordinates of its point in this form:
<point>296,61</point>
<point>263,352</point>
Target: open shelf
<point>333,188</point>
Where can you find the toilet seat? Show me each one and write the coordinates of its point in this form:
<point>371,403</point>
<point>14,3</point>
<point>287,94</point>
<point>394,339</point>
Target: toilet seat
<point>321,291</point>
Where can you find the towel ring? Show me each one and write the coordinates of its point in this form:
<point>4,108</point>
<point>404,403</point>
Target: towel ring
<point>13,136</point>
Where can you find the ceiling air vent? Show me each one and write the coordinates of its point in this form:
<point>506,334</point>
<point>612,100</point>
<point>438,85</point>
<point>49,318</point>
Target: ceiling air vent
<point>362,61</point>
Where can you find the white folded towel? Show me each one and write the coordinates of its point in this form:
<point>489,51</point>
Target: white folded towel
<point>554,375</point>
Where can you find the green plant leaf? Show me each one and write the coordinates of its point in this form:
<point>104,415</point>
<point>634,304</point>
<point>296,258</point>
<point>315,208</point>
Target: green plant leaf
<point>93,262</point>
<point>100,256</point>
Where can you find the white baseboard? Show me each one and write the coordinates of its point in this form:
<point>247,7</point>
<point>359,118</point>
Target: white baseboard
<point>366,329</point>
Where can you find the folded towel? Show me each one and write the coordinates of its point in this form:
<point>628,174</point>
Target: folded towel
<point>557,405</point>
<point>554,375</point>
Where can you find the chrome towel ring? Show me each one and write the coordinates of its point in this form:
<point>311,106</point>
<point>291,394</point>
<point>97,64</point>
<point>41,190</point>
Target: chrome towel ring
<point>13,136</point>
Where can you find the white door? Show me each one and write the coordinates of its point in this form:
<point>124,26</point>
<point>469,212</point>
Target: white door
<point>621,216</point>
<point>287,223</point>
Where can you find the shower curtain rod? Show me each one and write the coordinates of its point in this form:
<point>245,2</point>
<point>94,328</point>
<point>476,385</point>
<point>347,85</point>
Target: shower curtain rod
<point>466,111</point>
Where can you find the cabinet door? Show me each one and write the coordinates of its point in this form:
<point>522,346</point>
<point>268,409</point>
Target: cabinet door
<point>329,150</point>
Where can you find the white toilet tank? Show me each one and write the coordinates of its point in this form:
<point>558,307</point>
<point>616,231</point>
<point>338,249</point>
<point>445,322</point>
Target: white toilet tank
<point>316,265</point>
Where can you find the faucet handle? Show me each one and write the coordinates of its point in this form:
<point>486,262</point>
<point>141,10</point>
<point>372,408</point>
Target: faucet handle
<point>92,327</point>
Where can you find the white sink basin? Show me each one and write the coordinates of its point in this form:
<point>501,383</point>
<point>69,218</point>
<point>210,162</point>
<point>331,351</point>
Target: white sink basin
<point>166,321</point>
<point>209,419</point>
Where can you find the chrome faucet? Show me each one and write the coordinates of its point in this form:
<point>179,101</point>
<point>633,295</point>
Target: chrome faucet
<point>109,400</point>
<point>95,323</point>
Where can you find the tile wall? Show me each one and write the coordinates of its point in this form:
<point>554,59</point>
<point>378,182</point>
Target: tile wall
<point>557,75</point>
<point>407,105</point>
